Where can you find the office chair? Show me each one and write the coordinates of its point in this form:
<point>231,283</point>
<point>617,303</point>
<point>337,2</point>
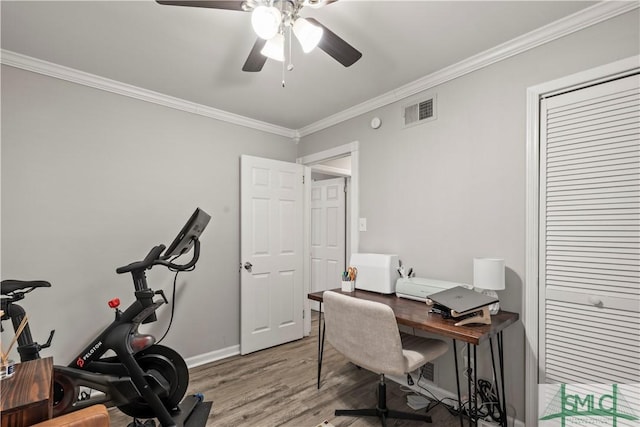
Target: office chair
<point>366,333</point>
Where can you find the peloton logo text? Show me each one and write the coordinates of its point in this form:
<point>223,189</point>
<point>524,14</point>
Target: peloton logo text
<point>81,360</point>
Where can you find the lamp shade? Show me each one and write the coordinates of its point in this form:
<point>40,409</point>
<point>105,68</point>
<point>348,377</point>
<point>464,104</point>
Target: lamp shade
<point>488,273</point>
<point>266,21</point>
<point>274,48</point>
<point>308,35</point>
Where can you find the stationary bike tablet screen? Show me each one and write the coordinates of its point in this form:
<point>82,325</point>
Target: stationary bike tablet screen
<point>189,234</point>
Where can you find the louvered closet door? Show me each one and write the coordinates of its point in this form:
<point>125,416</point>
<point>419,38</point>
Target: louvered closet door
<point>590,235</point>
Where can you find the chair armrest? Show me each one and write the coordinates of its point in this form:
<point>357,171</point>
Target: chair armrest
<point>93,416</point>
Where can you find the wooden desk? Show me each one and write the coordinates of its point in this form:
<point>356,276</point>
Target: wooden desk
<point>416,314</point>
<point>27,396</point>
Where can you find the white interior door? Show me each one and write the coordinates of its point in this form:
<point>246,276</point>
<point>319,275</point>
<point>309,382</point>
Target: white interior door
<point>327,234</point>
<point>590,235</point>
<point>271,250</point>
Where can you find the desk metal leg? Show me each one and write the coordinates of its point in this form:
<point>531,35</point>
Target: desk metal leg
<point>504,397</point>
<point>469,394</point>
<point>500,387</point>
<point>455,359</point>
<point>472,381</point>
<point>473,395</point>
<point>321,330</point>
<point>472,378</point>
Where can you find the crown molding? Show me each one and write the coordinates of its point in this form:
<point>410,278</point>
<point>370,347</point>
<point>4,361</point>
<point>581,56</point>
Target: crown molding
<point>560,28</point>
<point>39,66</point>
<point>555,30</point>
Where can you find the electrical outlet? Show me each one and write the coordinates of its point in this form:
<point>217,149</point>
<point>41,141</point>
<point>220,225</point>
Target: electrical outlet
<point>427,371</point>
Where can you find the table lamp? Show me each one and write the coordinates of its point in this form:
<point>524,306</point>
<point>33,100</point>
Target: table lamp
<point>488,277</point>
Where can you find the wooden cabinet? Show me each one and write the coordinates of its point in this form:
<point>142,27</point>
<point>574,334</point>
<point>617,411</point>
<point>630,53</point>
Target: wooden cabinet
<point>27,396</point>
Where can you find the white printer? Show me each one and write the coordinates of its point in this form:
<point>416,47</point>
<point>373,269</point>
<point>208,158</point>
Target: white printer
<point>376,272</point>
<point>418,288</point>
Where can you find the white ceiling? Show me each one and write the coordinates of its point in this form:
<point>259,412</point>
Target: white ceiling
<point>197,54</point>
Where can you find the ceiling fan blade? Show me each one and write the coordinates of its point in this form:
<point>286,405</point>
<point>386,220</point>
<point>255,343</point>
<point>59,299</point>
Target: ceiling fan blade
<point>336,47</point>
<point>255,61</point>
<point>210,4</point>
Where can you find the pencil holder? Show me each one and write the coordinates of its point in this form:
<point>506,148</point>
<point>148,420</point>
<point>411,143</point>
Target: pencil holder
<point>7,369</point>
<point>348,285</point>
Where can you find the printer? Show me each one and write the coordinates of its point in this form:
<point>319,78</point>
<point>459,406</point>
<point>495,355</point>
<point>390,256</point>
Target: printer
<point>376,272</point>
<point>418,288</point>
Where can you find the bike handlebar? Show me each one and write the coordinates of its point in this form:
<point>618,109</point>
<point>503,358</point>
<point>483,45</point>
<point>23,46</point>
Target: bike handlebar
<point>154,258</point>
<point>187,266</point>
<point>148,261</point>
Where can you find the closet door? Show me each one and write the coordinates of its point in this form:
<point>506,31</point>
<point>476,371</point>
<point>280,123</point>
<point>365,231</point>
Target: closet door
<point>590,235</point>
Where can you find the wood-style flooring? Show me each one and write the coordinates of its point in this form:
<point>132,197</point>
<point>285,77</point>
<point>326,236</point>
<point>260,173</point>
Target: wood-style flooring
<point>277,387</point>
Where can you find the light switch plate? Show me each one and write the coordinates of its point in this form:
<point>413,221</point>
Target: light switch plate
<point>362,224</point>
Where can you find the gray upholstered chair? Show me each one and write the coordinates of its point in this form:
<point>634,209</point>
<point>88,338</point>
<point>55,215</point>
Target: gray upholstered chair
<point>366,333</point>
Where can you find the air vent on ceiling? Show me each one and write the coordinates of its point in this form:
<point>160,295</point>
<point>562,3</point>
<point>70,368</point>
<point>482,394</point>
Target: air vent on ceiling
<point>420,112</point>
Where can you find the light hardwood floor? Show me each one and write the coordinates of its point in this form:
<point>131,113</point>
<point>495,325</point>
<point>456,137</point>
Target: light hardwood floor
<point>277,387</point>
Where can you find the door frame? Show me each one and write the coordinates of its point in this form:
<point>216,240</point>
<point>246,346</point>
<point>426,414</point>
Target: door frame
<point>530,303</point>
<point>309,160</point>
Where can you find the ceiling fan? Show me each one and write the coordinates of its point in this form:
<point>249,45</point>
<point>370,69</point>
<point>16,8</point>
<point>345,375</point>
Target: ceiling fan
<point>272,20</point>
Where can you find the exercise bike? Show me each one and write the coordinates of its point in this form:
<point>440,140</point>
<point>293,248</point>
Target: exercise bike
<point>143,379</point>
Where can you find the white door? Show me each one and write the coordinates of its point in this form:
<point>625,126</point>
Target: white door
<point>271,253</point>
<point>590,235</point>
<point>327,234</point>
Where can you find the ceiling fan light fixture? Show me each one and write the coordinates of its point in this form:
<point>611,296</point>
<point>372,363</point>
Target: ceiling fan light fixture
<point>266,21</point>
<point>308,35</point>
<point>274,48</point>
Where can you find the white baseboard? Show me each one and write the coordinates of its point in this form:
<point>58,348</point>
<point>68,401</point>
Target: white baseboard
<point>212,356</point>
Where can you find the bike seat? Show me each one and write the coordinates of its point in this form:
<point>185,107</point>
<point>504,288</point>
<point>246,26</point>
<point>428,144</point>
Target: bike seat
<point>9,286</point>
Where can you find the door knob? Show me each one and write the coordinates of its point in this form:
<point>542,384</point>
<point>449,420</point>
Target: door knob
<point>247,266</point>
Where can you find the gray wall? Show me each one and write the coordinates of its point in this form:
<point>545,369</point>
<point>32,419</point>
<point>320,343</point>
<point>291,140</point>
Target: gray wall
<point>444,192</point>
<point>92,180</point>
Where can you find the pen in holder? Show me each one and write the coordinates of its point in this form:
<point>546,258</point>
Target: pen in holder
<point>349,279</point>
